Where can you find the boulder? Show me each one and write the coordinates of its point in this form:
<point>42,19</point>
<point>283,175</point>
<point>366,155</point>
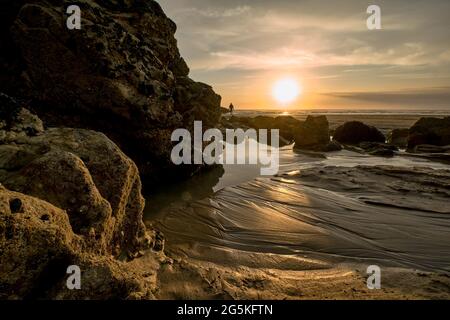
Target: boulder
<point>80,171</point>
<point>430,131</point>
<point>333,146</point>
<point>121,74</point>
<point>285,124</point>
<point>84,173</point>
<point>355,132</point>
<point>37,245</point>
<point>67,197</point>
<point>312,134</point>
<point>398,137</point>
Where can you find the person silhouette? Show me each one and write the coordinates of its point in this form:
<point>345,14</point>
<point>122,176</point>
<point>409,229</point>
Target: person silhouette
<point>231,107</point>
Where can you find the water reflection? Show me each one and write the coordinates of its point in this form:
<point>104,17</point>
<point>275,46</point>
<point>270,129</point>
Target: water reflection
<point>198,187</point>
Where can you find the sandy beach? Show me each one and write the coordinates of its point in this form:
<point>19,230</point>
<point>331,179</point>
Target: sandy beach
<point>312,230</point>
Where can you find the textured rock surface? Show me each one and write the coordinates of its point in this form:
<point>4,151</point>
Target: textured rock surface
<point>431,131</point>
<point>312,134</point>
<point>286,124</point>
<point>37,245</point>
<point>378,149</point>
<point>121,74</point>
<point>34,242</point>
<point>398,137</point>
<point>84,173</point>
<point>67,196</point>
<point>355,132</point>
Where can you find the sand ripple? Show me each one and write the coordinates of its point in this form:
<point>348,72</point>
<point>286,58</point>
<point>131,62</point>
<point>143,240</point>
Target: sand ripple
<point>397,216</point>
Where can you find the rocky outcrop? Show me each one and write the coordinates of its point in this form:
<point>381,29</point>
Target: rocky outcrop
<point>37,245</point>
<point>398,137</point>
<point>77,170</point>
<point>430,131</point>
<point>67,196</point>
<point>355,132</point>
<point>121,74</point>
<point>286,124</point>
<point>332,146</point>
<point>34,238</point>
<point>378,149</point>
<point>84,173</point>
<point>312,134</point>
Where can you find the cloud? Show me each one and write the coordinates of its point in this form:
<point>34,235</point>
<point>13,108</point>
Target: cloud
<point>322,41</point>
<point>217,13</point>
<point>431,97</point>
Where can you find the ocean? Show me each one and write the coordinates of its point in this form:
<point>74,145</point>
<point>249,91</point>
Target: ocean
<point>383,119</point>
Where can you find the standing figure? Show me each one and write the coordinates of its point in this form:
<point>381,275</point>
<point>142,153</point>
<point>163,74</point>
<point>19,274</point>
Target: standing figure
<point>231,107</point>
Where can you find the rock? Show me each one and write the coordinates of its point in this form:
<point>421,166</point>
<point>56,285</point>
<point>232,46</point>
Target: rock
<point>75,200</point>
<point>333,146</point>
<point>285,124</point>
<point>398,137</point>
<point>426,148</point>
<point>82,172</point>
<point>105,279</point>
<point>378,149</point>
<point>121,74</point>
<point>33,253</point>
<point>87,175</point>
<point>16,121</point>
<point>312,134</point>
<point>368,146</point>
<point>430,131</point>
<point>355,132</point>
<point>381,152</point>
<point>38,245</point>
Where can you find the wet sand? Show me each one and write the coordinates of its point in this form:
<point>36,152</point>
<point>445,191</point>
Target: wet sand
<point>312,230</point>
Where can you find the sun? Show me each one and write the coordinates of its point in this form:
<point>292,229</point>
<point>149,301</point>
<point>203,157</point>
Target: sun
<point>286,90</point>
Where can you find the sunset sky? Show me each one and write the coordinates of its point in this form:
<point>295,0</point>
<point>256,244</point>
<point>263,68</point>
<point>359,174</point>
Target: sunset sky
<point>243,47</point>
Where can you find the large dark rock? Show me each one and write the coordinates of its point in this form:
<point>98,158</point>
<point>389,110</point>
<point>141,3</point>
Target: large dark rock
<point>313,134</point>
<point>431,131</point>
<point>355,132</point>
<point>121,74</point>
<point>285,124</point>
<point>398,137</point>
